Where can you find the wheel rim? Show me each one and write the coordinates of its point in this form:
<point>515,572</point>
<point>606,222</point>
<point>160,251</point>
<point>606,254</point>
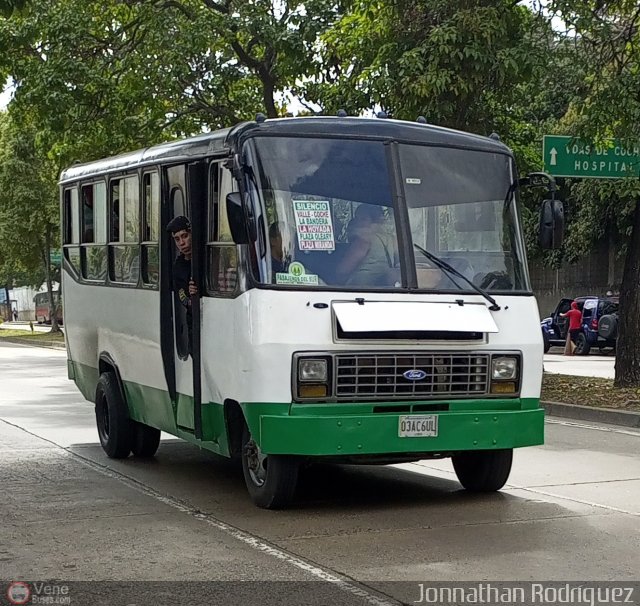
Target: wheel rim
<point>256,463</point>
<point>103,420</point>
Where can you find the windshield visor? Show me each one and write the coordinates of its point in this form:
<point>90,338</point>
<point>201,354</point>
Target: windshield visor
<point>461,210</point>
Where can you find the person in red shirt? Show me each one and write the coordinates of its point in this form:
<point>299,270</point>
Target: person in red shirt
<point>575,321</point>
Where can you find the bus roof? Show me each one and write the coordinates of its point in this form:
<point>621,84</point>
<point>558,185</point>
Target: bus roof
<point>221,141</point>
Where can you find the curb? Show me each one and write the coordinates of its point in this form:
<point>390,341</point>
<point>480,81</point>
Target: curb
<point>30,342</point>
<point>626,418</point>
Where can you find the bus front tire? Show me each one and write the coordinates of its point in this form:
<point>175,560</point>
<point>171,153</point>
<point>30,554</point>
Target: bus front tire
<point>112,418</point>
<point>483,470</point>
<point>271,479</point>
<point>145,441</point>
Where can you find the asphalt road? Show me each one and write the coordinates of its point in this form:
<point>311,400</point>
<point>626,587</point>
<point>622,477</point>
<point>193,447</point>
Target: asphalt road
<point>570,512</point>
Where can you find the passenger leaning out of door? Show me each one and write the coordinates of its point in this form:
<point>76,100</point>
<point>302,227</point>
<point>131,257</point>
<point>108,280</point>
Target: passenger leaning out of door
<point>180,229</point>
<point>575,323</point>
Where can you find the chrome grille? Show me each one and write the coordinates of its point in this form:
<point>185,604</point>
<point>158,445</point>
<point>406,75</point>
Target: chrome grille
<point>382,375</point>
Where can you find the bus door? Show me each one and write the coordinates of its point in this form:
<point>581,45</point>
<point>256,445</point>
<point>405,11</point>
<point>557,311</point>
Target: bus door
<point>184,194</point>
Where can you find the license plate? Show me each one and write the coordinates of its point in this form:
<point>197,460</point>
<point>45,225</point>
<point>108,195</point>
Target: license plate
<point>418,426</point>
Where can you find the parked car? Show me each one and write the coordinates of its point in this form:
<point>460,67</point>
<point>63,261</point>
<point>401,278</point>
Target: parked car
<point>599,324</point>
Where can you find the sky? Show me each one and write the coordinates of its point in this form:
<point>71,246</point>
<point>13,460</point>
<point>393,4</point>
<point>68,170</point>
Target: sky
<point>5,95</point>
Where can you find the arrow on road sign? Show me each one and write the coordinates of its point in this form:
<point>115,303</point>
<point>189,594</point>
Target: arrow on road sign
<point>554,153</point>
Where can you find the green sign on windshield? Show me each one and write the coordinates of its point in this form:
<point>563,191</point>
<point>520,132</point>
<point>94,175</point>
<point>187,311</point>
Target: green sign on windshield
<point>570,157</point>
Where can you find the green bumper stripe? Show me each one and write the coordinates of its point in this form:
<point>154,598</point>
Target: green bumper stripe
<point>378,434</point>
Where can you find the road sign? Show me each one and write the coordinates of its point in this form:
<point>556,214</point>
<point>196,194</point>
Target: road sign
<point>55,256</point>
<point>570,157</point>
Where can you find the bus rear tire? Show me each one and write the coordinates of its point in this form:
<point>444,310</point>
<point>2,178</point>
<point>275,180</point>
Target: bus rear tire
<point>115,429</point>
<point>271,479</point>
<point>483,470</point>
<point>145,441</point>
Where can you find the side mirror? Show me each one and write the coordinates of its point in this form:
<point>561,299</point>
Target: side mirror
<point>551,224</point>
<point>235,214</point>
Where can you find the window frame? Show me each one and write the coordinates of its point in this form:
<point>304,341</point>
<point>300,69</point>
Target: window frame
<point>112,244</point>
<point>85,246</point>
<point>146,244</point>
<point>215,207</point>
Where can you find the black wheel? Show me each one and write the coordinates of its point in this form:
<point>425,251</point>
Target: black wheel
<point>483,470</point>
<point>582,345</point>
<point>145,440</point>
<point>271,479</point>
<point>112,418</point>
<point>547,343</point>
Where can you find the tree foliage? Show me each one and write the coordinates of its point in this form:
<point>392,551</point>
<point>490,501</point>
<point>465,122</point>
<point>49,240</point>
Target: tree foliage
<point>107,76</point>
<point>605,39</point>
<point>29,213</point>
<point>452,62</point>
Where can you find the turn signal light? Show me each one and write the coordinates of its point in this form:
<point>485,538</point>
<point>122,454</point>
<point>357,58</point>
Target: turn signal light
<point>312,391</point>
<point>503,387</point>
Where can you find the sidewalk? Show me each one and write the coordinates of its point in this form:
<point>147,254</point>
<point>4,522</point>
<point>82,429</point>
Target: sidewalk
<point>580,366</point>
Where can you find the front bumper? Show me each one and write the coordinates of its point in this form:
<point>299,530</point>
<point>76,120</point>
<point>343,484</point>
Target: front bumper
<point>376,434</point>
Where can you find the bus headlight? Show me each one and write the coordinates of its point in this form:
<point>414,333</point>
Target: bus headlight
<point>312,378</point>
<point>505,372</point>
<point>504,369</point>
<point>312,371</point>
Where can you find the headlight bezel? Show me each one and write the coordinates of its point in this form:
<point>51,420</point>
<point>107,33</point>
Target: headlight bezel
<point>298,384</point>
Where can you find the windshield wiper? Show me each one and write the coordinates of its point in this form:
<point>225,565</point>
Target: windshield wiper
<point>445,266</point>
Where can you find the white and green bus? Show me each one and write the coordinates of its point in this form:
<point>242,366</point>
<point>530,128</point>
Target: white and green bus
<point>363,297</point>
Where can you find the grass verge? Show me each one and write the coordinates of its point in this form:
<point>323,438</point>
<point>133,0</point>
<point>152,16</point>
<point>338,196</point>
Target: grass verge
<point>588,391</point>
<point>35,337</point>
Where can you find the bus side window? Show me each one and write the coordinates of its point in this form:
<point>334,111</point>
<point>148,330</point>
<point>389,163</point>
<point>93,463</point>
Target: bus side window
<point>87,213</point>
<point>222,256</point>
<point>93,257</point>
<point>124,244</point>
<point>71,235</point>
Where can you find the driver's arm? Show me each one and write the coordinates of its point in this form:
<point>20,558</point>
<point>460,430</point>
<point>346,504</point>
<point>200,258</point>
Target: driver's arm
<point>354,256</point>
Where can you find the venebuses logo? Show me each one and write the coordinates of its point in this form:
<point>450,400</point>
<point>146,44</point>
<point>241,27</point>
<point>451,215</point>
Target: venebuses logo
<point>18,593</point>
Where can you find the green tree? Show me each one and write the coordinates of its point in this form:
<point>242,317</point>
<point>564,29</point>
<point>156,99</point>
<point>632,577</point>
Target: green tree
<point>29,212</point>
<point>8,7</point>
<point>452,61</point>
<point>605,35</point>
<point>103,77</point>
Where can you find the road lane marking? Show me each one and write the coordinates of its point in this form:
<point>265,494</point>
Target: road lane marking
<point>595,427</point>
<point>575,500</point>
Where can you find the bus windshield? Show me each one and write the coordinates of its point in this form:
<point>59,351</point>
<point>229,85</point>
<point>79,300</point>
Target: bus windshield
<point>331,220</point>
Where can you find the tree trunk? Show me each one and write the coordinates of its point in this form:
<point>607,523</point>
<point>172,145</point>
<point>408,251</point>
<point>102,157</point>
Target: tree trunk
<point>628,345</point>
<point>53,302</point>
<point>268,91</point>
